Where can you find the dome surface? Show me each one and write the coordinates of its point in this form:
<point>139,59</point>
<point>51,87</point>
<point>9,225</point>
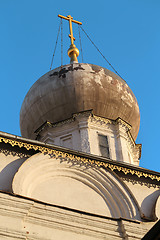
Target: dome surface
<point>74,88</point>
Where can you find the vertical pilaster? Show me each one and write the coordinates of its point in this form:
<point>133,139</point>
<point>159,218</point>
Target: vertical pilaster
<point>84,136</point>
<point>122,149</point>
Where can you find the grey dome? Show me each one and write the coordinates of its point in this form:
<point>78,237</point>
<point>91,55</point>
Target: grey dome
<point>75,88</point>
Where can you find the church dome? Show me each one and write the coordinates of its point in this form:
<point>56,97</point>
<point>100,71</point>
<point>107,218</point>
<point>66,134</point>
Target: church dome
<point>74,88</point>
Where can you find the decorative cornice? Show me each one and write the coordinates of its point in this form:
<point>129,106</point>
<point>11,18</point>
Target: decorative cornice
<point>82,157</point>
<point>122,122</point>
<point>86,113</point>
<point>101,120</point>
<point>91,116</point>
<point>49,124</point>
<point>14,153</point>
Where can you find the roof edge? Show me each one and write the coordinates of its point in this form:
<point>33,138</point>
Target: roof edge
<point>86,158</point>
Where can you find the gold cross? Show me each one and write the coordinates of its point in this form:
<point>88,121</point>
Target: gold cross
<point>70,19</point>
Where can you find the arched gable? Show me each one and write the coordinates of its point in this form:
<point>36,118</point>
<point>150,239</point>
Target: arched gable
<point>70,184</point>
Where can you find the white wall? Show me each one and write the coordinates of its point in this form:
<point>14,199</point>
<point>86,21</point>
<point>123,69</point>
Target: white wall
<point>82,134</point>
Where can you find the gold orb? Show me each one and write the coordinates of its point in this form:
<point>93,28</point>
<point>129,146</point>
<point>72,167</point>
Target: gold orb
<point>73,50</point>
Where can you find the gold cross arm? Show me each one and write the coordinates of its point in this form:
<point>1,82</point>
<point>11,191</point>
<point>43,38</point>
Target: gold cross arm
<point>70,19</point>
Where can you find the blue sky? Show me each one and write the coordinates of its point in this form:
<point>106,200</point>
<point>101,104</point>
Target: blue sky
<point>126,31</point>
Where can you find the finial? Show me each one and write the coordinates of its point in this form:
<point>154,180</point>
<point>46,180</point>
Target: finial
<point>73,52</point>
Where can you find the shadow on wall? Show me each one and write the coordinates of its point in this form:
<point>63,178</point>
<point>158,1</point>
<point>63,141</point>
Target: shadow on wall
<point>148,206</point>
<point>7,174</point>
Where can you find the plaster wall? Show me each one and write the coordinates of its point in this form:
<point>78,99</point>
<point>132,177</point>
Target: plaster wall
<point>58,134</point>
<point>22,218</point>
<point>58,186</point>
<point>147,196</point>
<point>67,191</point>
<point>94,131</point>
<point>72,184</point>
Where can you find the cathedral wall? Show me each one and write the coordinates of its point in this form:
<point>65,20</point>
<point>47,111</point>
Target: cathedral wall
<point>76,185</point>
<point>56,177</point>
<point>22,218</point>
<point>145,193</point>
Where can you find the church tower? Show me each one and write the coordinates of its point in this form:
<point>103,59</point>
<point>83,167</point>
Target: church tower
<point>83,107</point>
<point>77,173</point>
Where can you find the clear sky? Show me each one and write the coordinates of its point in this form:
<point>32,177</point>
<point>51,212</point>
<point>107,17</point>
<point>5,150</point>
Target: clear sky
<point>126,31</point>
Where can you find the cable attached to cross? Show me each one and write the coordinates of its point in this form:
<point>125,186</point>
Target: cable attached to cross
<point>73,52</point>
<point>61,43</point>
<point>80,42</point>
<point>55,45</point>
<point>100,52</point>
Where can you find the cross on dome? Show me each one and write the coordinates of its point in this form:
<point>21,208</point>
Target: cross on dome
<point>73,52</point>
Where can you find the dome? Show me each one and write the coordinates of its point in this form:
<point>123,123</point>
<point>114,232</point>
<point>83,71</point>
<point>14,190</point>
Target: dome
<point>74,88</point>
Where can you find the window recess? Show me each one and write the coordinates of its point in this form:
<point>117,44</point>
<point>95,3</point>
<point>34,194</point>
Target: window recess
<point>103,145</point>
